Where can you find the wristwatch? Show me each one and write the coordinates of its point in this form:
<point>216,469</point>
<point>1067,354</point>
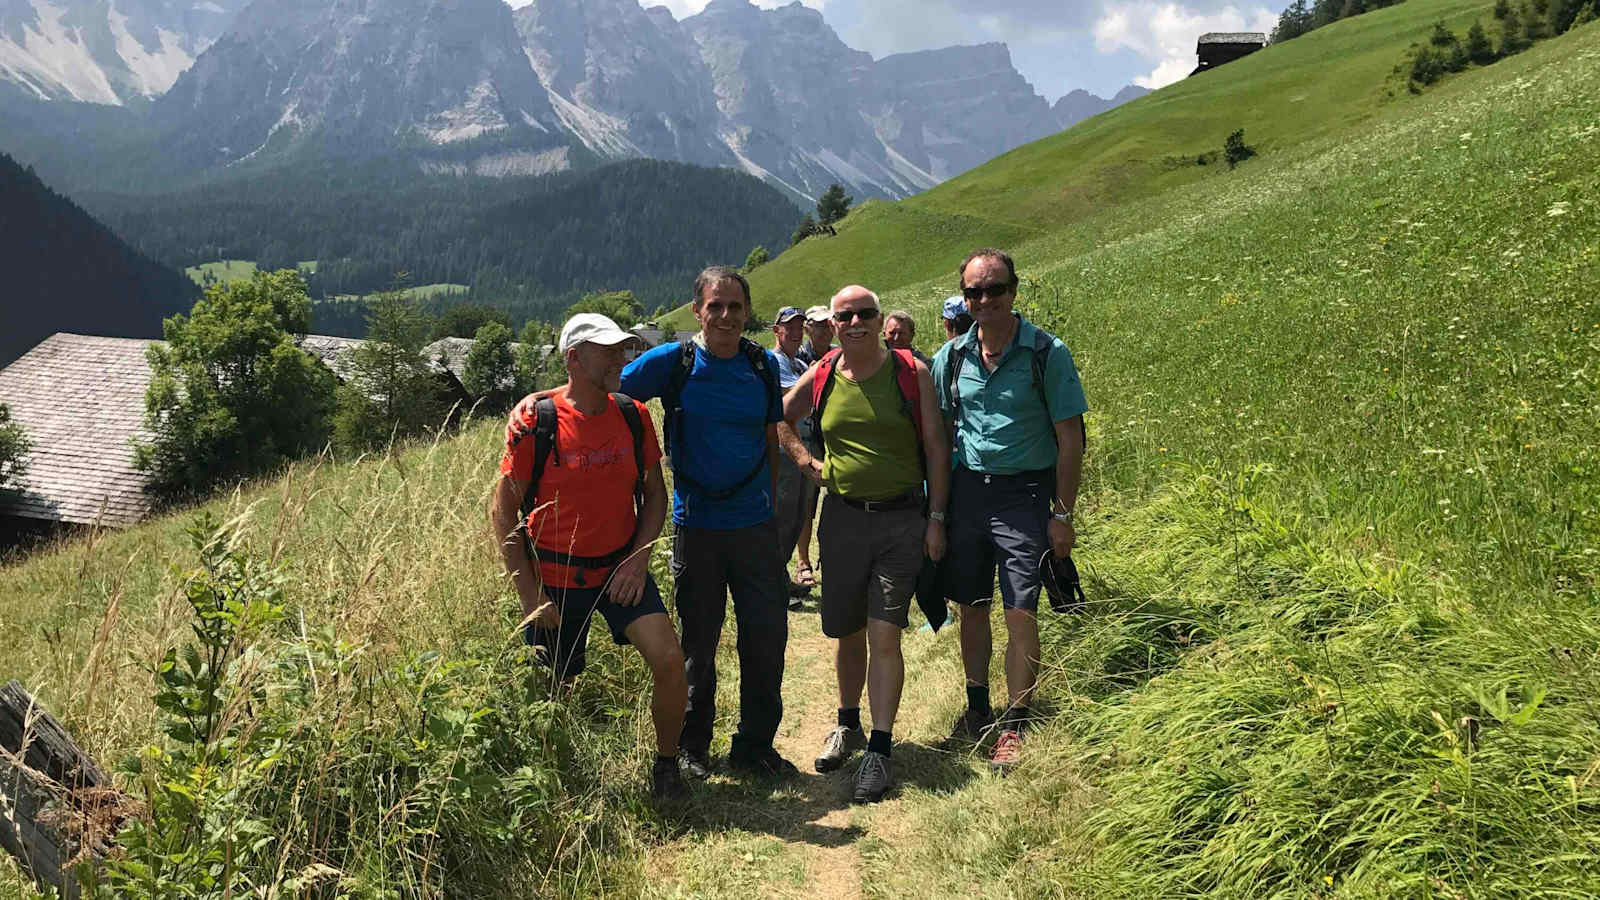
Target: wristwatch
<point>1063,517</point>
<point>936,516</point>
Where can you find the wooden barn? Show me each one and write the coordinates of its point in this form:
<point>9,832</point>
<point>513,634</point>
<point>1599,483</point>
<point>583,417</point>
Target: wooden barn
<point>1221,47</point>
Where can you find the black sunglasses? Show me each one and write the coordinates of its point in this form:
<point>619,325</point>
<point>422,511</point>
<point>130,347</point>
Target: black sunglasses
<point>992,291</point>
<point>866,315</point>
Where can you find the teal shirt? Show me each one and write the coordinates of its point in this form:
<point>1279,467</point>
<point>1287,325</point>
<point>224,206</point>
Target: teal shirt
<point>1003,428</point>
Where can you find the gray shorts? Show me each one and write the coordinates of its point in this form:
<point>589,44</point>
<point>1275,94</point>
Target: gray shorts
<point>870,562</point>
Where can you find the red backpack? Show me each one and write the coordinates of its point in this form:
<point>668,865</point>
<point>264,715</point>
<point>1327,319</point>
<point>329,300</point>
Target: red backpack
<point>905,378</point>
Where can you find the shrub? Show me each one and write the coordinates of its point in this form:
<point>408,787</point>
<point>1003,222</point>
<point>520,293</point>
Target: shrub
<point>464,321</point>
<point>1502,9</point>
<point>231,396</point>
<point>807,227</point>
<point>758,257</point>
<point>14,447</point>
<point>1236,150</point>
<point>1512,38</point>
<point>1586,15</point>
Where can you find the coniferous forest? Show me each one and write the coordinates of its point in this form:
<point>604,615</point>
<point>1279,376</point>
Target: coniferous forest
<point>67,272</point>
<point>529,245</point>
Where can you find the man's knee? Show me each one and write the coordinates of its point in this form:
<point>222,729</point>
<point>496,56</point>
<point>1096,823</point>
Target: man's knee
<point>884,638</point>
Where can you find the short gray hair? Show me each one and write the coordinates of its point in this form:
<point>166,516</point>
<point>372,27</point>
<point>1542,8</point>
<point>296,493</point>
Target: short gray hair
<point>901,315</point>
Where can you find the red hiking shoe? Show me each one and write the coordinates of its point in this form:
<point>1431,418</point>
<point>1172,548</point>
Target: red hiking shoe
<point>1007,752</point>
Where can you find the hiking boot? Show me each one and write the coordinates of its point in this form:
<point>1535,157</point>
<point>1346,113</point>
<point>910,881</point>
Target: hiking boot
<point>763,763</point>
<point>973,726</point>
<point>837,747</point>
<point>1007,751</point>
<point>874,778</point>
<point>694,764</point>
<point>666,782</point>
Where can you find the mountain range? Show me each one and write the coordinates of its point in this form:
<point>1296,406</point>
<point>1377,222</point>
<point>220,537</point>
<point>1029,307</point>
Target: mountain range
<point>471,86</point>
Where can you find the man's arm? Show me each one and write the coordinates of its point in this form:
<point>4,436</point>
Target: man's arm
<point>1069,469</point>
<point>505,514</point>
<point>796,406</point>
<point>772,462</point>
<point>936,458</point>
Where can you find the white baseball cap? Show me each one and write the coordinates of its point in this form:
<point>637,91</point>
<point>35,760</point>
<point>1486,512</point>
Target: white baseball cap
<point>592,328</point>
<point>818,314</point>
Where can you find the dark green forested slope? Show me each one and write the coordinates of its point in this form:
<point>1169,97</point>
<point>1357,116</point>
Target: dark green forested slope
<point>67,272</point>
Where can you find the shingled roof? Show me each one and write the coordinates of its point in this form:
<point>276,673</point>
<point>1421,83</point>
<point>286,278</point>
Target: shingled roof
<point>1233,37</point>
<point>81,401</point>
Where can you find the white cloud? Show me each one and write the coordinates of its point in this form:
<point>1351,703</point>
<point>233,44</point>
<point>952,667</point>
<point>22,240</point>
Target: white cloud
<point>1165,33</point>
<point>681,8</point>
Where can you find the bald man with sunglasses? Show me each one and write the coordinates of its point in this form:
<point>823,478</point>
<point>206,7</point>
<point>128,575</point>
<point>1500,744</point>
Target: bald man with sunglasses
<point>1012,396</point>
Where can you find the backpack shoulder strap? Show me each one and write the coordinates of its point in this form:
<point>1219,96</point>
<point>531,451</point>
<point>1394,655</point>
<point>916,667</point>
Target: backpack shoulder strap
<point>757,356</point>
<point>672,397</point>
<point>822,382</point>
<point>1043,345</point>
<point>905,376</point>
<point>544,447</point>
<point>630,414</point>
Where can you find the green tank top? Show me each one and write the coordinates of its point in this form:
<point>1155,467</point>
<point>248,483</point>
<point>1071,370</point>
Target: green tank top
<point>872,449</point>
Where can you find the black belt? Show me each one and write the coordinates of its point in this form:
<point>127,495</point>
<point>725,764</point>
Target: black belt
<point>908,500</point>
<point>582,562</point>
<point>1048,475</point>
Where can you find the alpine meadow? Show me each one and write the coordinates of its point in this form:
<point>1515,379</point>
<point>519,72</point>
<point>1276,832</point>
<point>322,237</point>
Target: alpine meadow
<point>1340,536</point>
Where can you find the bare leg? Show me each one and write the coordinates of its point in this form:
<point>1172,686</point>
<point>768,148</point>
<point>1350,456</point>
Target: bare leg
<point>977,643</point>
<point>658,644</point>
<point>886,673</point>
<point>850,663</point>
<point>808,513</point>
<point>1022,655</point>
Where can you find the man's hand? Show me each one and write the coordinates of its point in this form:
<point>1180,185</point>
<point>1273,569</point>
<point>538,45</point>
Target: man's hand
<point>933,542</point>
<point>1062,538</point>
<point>540,611</point>
<point>627,580</point>
<point>812,467</point>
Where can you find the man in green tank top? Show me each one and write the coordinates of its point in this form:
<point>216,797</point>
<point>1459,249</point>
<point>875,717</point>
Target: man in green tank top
<point>881,430</point>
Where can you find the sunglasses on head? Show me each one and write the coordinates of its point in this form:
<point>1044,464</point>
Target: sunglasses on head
<point>993,291</point>
<point>865,315</point>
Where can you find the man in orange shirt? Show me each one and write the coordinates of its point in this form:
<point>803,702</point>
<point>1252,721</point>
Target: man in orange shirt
<point>581,490</point>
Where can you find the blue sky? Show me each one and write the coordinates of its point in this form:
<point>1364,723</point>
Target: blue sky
<point>1058,45</point>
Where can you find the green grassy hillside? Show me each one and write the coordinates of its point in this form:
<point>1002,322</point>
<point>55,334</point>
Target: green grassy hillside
<point>1341,535</point>
<point>1331,82</point>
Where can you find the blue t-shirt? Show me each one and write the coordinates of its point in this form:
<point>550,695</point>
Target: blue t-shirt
<point>1003,427</point>
<point>723,433</point>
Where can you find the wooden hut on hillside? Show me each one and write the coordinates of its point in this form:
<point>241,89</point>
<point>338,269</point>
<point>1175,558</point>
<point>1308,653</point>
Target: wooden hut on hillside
<point>1218,48</point>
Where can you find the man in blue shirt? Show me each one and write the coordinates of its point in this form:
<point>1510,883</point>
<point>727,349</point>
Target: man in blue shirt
<point>722,403</point>
<point>1018,454</point>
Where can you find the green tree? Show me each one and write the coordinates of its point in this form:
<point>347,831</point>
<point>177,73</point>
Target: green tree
<point>1478,47</point>
<point>231,396</point>
<point>538,364</point>
<point>390,390</point>
<point>1236,150</point>
<point>833,204</point>
<point>758,257</point>
<point>490,372</point>
<point>618,306</point>
<point>1512,38</point>
<point>14,448</point>
<point>1586,15</point>
<point>464,321</point>
<point>1293,22</point>
<point>806,228</point>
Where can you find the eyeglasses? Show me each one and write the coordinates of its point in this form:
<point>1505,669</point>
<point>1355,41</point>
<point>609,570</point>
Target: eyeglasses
<point>992,291</point>
<point>843,316</point>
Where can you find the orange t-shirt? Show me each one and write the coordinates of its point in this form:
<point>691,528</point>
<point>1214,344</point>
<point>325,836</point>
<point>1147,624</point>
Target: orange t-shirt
<point>585,501</point>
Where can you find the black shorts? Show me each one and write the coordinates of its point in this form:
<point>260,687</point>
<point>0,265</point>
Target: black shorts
<point>578,606</point>
<point>998,523</point>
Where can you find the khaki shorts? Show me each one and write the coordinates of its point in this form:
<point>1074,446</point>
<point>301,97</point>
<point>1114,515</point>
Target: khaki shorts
<point>870,562</point>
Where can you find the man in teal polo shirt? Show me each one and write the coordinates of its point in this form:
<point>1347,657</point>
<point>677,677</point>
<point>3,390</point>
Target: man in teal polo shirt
<point>1018,437</point>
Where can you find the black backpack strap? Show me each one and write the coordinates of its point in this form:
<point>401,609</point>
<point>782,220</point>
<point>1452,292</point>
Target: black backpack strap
<point>544,446</point>
<point>672,397</point>
<point>630,414</point>
<point>1043,345</point>
<point>757,357</point>
<point>952,389</point>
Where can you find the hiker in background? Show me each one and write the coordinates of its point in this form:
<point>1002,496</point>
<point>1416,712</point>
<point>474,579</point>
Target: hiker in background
<point>879,420</point>
<point>819,335</point>
<point>719,392</point>
<point>788,331</point>
<point>580,489</point>
<point>899,330</point>
<point>819,340</point>
<point>957,321</point>
<point>1012,395</point>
